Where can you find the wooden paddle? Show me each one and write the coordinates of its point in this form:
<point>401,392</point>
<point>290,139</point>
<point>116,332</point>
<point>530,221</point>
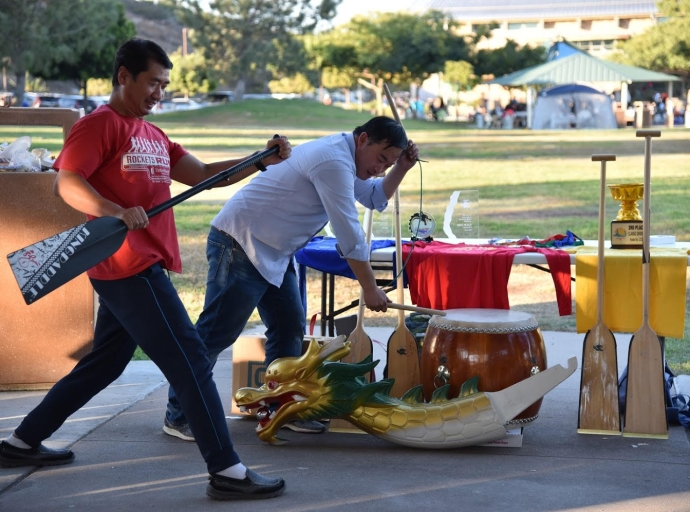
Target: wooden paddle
<point>599,411</point>
<point>361,345</point>
<point>402,355</point>
<point>645,408</point>
<point>46,265</point>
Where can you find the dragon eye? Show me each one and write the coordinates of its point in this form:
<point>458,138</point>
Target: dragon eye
<point>272,384</point>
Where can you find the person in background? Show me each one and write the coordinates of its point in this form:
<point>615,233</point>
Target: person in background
<point>419,108</point>
<point>252,241</point>
<point>114,163</point>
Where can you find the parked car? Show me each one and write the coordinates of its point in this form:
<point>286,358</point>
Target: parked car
<point>187,104</point>
<point>177,104</point>
<point>91,105</point>
<point>216,97</point>
<point>163,107</point>
<point>41,99</point>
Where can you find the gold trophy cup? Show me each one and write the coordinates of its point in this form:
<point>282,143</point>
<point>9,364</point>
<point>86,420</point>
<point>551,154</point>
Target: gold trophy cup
<point>626,230</point>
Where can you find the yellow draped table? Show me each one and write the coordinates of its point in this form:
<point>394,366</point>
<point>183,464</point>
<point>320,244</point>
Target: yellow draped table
<point>623,289</point>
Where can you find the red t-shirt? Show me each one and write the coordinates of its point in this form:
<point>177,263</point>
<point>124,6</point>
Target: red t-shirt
<point>127,160</point>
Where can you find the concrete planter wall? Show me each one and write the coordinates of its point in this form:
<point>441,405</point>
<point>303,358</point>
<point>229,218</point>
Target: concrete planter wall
<point>40,343</point>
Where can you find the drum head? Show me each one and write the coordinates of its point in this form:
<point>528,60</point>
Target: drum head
<point>485,320</point>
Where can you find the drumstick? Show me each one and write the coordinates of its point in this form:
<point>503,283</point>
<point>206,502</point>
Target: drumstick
<point>405,307</point>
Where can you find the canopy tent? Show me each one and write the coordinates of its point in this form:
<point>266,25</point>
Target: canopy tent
<point>569,65</point>
<point>581,67</point>
<point>573,106</point>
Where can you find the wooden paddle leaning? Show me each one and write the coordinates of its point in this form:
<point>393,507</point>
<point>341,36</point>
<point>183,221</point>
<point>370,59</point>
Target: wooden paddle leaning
<point>402,355</point>
<point>645,408</point>
<point>361,345</point>
<point>599,411</point>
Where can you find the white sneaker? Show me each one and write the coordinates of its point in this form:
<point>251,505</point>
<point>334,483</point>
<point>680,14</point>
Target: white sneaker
<point>180,431</point>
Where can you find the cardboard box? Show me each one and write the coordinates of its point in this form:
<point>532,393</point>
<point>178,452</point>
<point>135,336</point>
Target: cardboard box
<point>248,368</point>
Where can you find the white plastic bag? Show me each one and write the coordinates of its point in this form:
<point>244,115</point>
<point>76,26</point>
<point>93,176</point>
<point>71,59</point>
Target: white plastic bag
<point>16,156</point>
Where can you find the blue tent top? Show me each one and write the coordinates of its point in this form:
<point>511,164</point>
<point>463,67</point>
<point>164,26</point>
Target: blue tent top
<point>560,50</point>
<point>569,89</point>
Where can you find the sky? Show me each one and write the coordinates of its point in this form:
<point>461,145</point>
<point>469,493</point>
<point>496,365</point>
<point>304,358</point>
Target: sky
<point>350,8</point>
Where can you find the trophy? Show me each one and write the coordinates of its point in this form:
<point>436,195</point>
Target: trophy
<point>461,218</point>
<point>626,230</point>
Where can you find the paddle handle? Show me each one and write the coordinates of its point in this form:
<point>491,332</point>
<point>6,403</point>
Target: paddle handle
<point>208,183</point>
<point>405,307</point>
<point>400,283</point>
<point>368,224</point>
<point>647,217</point>
<point>600,253</point>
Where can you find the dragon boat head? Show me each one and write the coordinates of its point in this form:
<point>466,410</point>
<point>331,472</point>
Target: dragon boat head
<point>298,386</point>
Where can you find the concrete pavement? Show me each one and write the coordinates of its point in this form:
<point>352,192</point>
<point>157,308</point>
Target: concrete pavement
<point>125,462</point>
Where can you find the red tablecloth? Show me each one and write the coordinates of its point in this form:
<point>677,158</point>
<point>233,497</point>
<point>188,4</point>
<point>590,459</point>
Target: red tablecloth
<point>450,276</point>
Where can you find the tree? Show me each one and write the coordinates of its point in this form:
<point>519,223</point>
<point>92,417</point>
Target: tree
<point>61,38</point>
<point>397,47</point>
<point>189,74</point>
<point>253,39</point>
<point>512,57</point>
<point>296,84</point>
<point>88,43</point>
<point>20,37</point>
<point>332,59</point>
<point>460,73</point>
<point>664,47</point>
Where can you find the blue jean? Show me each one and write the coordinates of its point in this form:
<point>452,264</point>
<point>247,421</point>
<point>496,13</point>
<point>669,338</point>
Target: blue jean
<point>143,309</point>
<point>234,288</point>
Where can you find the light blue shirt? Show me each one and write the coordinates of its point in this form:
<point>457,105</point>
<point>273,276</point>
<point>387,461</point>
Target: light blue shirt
<point>280,210</point>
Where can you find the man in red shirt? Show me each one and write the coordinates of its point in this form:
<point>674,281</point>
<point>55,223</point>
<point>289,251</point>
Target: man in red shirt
<point>114,163</point>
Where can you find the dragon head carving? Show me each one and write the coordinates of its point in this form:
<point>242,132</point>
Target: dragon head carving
<point>312,386</point>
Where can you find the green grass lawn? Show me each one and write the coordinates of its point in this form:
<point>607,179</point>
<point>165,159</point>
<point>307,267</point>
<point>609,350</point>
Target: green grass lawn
<point>529,183</point>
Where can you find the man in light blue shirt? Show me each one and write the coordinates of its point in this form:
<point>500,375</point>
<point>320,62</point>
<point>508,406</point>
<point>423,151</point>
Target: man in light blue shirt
<point>255,236</point>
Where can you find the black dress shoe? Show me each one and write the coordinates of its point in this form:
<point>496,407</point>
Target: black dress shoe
<point>12,457</point>
<point>254,486</point>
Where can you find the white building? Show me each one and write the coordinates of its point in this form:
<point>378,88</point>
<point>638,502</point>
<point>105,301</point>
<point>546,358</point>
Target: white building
<point>592,25</point>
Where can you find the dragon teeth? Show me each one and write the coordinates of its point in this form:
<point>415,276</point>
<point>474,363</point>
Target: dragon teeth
<point>243,408</point>
<point>298,398</point>
<point>270,417</point>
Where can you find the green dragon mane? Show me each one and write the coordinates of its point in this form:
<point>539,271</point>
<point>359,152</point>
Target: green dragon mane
<point>348,388</point>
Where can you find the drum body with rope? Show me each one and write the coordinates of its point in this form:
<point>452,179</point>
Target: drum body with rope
<point>501,347</point>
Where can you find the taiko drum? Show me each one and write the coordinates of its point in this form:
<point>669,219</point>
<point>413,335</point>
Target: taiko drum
<point>501,347</point>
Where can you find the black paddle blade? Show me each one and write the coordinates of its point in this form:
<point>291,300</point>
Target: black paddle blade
<point>44,266</point>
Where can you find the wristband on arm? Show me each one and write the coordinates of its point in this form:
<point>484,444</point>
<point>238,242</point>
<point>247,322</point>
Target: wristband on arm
<point>259,165</point>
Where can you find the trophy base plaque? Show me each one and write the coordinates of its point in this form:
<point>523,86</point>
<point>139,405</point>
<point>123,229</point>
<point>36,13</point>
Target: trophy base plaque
<point>626,234</point>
